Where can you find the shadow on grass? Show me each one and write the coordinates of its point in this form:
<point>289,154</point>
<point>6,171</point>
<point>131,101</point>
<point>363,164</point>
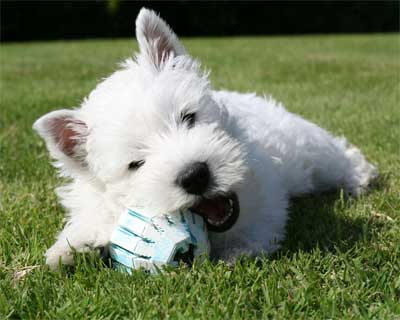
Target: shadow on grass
<point>319,221</point>
<point>316,221</point>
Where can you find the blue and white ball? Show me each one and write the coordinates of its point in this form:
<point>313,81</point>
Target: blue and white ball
<point>151,242</point>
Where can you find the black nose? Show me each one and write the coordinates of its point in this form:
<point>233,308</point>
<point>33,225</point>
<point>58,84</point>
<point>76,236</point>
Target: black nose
<point>194,178</point>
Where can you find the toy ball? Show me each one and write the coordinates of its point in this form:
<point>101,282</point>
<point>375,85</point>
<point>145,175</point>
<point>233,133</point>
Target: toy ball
<point>151,242</point>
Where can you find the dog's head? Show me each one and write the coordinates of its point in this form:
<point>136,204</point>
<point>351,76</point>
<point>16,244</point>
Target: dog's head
<point>152,135</point>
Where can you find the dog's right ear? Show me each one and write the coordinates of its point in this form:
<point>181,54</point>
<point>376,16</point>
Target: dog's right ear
<point>156,40</point>
<point>65,136</point>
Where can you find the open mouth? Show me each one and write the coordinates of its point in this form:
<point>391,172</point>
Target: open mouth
<point>220,212</point>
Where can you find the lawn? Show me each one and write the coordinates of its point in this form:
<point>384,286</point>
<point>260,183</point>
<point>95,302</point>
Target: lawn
<point>342,256</point>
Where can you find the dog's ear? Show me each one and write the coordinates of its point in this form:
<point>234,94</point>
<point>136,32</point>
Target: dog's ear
<point>156,39</point>
<point>65,136</point>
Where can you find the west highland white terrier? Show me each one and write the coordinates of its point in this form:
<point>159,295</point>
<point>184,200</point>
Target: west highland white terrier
<point>155,134</point>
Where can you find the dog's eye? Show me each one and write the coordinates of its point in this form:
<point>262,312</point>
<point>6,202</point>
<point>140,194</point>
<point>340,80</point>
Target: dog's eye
<point>136,164</point>
<point>189,118</point>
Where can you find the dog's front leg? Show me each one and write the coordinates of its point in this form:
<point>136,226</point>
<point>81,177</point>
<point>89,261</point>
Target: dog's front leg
<point>77,237</point>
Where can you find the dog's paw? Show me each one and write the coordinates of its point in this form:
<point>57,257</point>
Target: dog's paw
<point>59,253</point>
<point>362,175</point>
<point>77,238</point>
<point>232,255</point>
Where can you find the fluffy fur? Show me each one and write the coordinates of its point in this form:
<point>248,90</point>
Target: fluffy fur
<point>252,145</point>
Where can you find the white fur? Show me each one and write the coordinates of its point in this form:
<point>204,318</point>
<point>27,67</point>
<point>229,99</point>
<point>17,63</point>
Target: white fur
<point>252,145</point>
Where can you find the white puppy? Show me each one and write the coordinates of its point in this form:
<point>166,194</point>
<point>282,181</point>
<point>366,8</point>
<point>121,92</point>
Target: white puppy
<point>155,134</point>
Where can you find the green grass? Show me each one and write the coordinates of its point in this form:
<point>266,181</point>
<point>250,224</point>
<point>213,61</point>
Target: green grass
<point>342,256</point>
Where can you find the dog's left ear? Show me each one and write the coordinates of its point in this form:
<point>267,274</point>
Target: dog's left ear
<point>156,39</point>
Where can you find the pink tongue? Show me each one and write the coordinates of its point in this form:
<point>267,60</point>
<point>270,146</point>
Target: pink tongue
<point>214,210</point>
